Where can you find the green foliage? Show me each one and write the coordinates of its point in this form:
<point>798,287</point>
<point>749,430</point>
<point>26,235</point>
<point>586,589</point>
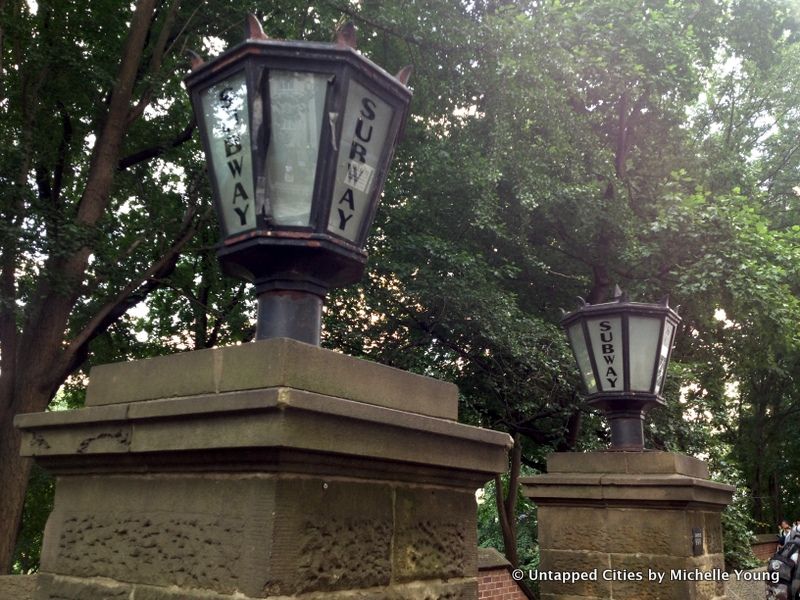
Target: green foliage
<point>737,533</point>
<point>38,504</point>
<point>490,536</point>
<point>554,149</point>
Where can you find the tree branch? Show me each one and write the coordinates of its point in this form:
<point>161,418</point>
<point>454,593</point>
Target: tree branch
<point>46,322</point>
<point>156,59</point>
<point>130,295</point>
<point>154,151</point>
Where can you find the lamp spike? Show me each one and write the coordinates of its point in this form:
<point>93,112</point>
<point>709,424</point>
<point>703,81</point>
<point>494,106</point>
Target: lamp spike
<point>617,292</point>
<point>404,74</point>
<point>582,301</point>
<point>195,60</point>
<point>346,35</point>
<point>665,300</point>
<point>253,29</point>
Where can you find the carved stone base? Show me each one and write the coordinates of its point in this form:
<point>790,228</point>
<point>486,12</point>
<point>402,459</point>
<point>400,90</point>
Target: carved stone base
<point>637,525</point>
<point>261,493</point>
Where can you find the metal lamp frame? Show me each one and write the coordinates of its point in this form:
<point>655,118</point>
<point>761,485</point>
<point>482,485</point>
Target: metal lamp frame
<point>293,266</point>
<point>625,408</point>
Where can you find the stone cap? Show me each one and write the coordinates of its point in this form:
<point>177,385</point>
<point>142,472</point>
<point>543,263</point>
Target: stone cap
<point>633,463</point>
<point>490,558</point>
<point>626,478</point>
<point>272,363</point>
<point>194,428</point>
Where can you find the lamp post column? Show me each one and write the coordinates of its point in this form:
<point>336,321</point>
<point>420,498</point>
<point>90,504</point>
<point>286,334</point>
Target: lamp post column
<point>289,313</point>
<point>626,421</point>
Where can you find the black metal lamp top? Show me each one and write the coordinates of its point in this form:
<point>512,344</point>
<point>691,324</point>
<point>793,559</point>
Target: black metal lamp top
<point>298,138</point>
<point>622,349</point>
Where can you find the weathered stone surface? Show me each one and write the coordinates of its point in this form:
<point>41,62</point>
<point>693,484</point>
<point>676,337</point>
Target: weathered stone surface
<point>489,558</point>
<point>434,534</point>
<point>556,525</point>
<point>580,561</point>
<point>266,364</point>
<point>217,490</point>
<point>566,597</point>
<point>632,530</point>
<point>330,535</point>
<point>146,592</point>
<point>204,532</point>
<point>706,590</point>
<point>632,523</point>
<point>17,587</point>
<point>273,418</point>
<point>54,587</point>
<point>668,589</point>
<point>57,587</point>
<point>261,535</point>
<point>664,532</point>
<point>427,590</point>
<point>643,490</point>
<point>647,463</point>
<point>712,533</point>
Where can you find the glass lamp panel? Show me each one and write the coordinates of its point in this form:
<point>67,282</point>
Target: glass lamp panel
<point>644,344</point>
<point>581,352</point>
<point>663,357</point>
<point>297,105</point>
<point>364,130</point>
<point>607,346</point>
<point>227,123</point>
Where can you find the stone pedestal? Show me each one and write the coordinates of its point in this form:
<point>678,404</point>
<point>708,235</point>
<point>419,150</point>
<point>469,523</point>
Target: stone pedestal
<point>625,519</point>
<point>272,469</point>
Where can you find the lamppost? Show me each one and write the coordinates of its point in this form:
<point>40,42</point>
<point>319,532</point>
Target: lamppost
<point>298,137</point>
<point>622,349</point>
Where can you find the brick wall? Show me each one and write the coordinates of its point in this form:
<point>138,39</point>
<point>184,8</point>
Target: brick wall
<point>497,584</point>
<point>764,546</point>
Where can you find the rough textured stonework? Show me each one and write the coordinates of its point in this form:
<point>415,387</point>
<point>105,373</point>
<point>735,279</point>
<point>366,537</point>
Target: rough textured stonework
<point>344,553</point>
<point>188,550</point>
<point>630,513</point>
<point>435,537</point>
<point>58,587</point>
<point>223,489</point>
<point>431,549</point>
<point>17,587</point>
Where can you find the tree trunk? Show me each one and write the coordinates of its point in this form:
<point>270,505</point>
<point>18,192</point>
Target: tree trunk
<point>35,359</point>
<point>14,480</point>
<point>14,469</point>
<point>507,504</point>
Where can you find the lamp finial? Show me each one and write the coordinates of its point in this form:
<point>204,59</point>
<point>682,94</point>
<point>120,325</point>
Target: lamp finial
<point>346,35</point>
<point>404,74</point>
<point>195,60</point>
<point>253,29</point>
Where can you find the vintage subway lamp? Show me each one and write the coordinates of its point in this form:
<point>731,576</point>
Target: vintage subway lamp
<point>622,349</point>
<point>298,138</point>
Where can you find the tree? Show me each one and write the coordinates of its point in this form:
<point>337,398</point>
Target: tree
<point>557,149</point>
<point>89,121</point>
<point>554,149</point>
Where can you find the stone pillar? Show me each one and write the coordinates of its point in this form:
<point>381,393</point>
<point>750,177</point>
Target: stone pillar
<point>271,469</point>
<point>625,518</point>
